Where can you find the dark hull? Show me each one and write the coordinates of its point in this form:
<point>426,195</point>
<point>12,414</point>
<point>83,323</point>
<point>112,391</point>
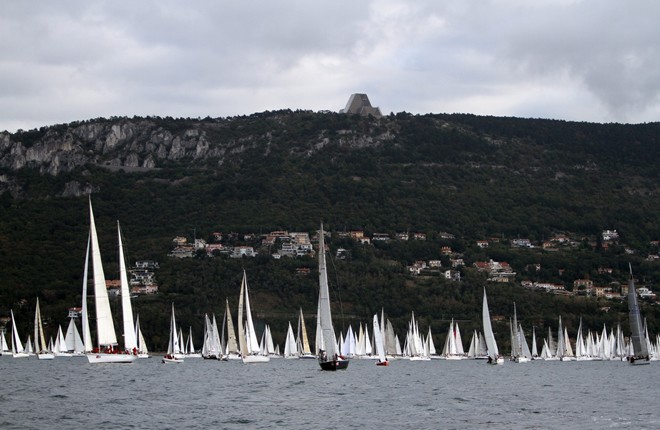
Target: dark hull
<point>338,364</point>
<point>636,361</point>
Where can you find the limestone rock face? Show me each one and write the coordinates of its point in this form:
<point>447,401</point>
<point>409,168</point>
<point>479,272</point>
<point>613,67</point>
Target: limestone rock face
<point>140,144</point>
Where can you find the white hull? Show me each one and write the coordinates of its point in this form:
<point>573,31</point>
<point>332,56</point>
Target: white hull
<point>231,357</point>
<point>46,356</point>
<point>497,361</point>
<point>307,357</point>
<point>142,356</point>
<point>111,358</point>
<point>21,355</point>
<point>256,359</point>
<point>418,358</point>
<point>173,360</point>
<point>454,357</point>
<point>521,360</point>
<point>195,355</point>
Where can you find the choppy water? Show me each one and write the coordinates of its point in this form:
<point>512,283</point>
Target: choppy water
<point>294,394</point>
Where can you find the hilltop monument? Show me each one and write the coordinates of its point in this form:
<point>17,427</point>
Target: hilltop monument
<point>359,104</point>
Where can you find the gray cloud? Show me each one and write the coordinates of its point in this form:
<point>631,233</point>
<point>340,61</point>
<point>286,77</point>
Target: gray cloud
<point>591,60</point>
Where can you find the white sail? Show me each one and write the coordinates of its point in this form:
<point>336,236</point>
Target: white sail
<point>380,349</point>
<point>190,347</point>
<point>4,346</point>
<point>130,340</point>
<point>290,349</point>
<point>523,343</point>
<point>72,339</point>
<point>17,349</point>
<point>639,347</point>
<point>491,344</point>
<point>60,347</point>
<point>329,358</point>
<point>174,354</point>
<point>248,343</point>
<point>329,345</point>
<point>348,347</point>
<point>105,329</point>
<point>87,334</point>
<point>143,351</point>
<point>174,346</point>
<point>206,345</point>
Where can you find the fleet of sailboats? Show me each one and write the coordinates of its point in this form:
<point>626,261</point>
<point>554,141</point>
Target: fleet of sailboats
<point>332,353</point>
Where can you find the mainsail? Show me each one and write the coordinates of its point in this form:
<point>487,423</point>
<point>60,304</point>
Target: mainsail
<point>637,337</point>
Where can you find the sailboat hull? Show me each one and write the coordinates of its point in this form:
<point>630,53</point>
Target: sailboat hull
<point>248,359</point>
<point>337,364</point>
<point>111,358</point>
<point>46,356</point>
<point>638,361</point>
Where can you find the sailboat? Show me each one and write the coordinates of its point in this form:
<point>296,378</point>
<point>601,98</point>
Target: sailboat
<point>230,349</point>
<point>107,350</point>
<point>380,349</point>
<point>453,349</point>
<point>42,351</point>
<point>72,340</point>
<point>142,350</point>
<point>17,350</point>
<point>4,346</point>
<point>519,349</point>
<point>534,351</point>
<point>302,341</point>
<point>247,336</point>
<point>290,348</point>
<point>267,347</point>
<point>329,358</point>
<point>640,352</point>
<point>190,348</point>
<point>59,347</point>
<point>564,350</point>
<point>212,346</point>
<point>174,354</point>
<point>491,344</point>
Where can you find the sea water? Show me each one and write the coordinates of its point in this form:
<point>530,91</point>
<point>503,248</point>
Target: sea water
<point>69,393</point>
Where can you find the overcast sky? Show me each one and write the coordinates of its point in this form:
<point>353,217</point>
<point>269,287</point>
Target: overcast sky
<point>591,60</point>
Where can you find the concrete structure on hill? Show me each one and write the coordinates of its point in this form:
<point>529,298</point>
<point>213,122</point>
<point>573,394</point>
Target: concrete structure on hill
<point>359,104</point>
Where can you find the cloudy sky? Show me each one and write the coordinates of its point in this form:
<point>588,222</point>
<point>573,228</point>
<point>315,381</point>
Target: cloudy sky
<point>591,60</point>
